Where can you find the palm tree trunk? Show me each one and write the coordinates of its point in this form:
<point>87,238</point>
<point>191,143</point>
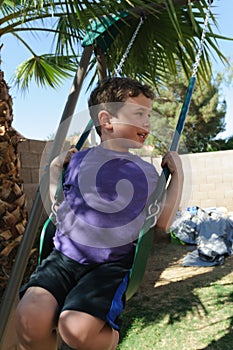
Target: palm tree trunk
<point>13,212</point>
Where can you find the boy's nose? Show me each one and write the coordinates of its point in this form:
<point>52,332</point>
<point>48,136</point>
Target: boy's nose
<point>146,124</point>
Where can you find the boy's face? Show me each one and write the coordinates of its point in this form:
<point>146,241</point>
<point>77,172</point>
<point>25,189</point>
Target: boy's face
<point>131,125</point>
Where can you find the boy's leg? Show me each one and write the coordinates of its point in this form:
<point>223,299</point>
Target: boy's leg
<point>82,331</point>
<point>35,320</point>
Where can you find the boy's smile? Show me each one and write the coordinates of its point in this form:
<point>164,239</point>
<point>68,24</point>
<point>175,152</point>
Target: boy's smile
<point>143,136</point>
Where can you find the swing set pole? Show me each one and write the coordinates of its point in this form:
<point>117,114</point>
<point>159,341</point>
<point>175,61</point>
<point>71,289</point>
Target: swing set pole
<point>15,280</point>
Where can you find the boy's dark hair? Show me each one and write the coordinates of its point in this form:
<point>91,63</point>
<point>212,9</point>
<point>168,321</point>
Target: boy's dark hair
<point>111,90</point>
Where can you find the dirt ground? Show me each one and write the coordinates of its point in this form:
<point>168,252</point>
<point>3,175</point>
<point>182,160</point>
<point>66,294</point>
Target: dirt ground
<point>163,269</point>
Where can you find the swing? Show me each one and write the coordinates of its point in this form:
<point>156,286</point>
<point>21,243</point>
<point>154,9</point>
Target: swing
<point>146,235</point>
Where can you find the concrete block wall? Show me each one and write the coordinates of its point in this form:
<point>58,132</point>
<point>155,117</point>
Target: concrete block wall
<point>30,152</point>
<point>208,180</point>
<point>208,176</point>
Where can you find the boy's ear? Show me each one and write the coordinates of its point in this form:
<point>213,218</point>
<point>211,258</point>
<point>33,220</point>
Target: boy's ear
<point>105,120</point>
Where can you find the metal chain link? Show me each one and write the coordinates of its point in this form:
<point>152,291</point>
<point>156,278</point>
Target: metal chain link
<point>153,212</point>
<point>202,40</point>
<point>120,65</point>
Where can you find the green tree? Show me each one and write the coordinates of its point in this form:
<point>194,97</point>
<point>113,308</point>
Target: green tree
<point>222,144</point>
<point>205,119</point>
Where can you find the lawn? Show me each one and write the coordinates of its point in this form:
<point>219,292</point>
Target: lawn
<point>180,308</point>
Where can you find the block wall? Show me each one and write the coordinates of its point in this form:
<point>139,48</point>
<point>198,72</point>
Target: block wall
<point>208,179</point>
<point>31,153</point>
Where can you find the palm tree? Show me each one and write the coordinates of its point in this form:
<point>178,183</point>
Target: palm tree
<point>169,36</point>
<point>12,198</point>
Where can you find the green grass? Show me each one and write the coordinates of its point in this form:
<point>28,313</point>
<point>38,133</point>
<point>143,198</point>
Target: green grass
<point>185,314</point>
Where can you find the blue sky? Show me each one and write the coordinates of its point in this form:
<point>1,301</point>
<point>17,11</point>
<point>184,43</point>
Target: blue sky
<point>37,113</point>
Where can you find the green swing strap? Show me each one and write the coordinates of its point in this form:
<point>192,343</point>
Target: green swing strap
<point>143,248</point>
<point>42,237</point>
<point>46,239</point>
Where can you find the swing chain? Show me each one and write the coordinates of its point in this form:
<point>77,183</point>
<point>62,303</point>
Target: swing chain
<point>120,65</point>
<point>202,40</point>
<point>54,207</point>
<point>154,208</point>
<point>153,212</point>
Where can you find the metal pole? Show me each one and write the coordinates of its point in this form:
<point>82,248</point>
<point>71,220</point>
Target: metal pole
<point>20,264</point>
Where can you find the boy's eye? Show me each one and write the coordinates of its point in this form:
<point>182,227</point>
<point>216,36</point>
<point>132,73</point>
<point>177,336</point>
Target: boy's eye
<point>139,114</point>
<point>143,115</point>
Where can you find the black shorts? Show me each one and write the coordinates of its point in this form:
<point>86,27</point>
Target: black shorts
<point>97,289</point>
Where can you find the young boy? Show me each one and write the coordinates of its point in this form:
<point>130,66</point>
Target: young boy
<point>80,288</point>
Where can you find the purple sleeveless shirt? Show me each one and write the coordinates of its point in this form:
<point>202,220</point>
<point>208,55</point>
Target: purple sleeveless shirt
<point>105,198</point>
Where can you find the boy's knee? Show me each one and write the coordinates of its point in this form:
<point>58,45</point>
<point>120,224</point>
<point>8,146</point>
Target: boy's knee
<point>69,333</point>
<point>31,325</point>
<point>74,330</point>
<point>27,325</point>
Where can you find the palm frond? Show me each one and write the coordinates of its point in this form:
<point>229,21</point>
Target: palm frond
<point>46,70</point>
<point>68,35</point>
<point>165,40</point>
<point>170,35</point>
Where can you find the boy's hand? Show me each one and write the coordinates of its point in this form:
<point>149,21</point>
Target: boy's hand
<point>56,170</point>
<point>172,161</point>
<point>173,192</point>
<point>69,155</point>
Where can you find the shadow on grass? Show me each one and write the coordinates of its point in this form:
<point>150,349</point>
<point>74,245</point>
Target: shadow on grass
<point>224,342</point>
<point>173,299</point>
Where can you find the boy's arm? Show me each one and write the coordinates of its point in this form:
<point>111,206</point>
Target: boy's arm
<point>173,193</point>
<point>56,168</point>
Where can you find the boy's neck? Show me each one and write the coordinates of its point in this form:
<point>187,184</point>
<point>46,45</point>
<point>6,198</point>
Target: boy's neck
<point>113,145</point>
